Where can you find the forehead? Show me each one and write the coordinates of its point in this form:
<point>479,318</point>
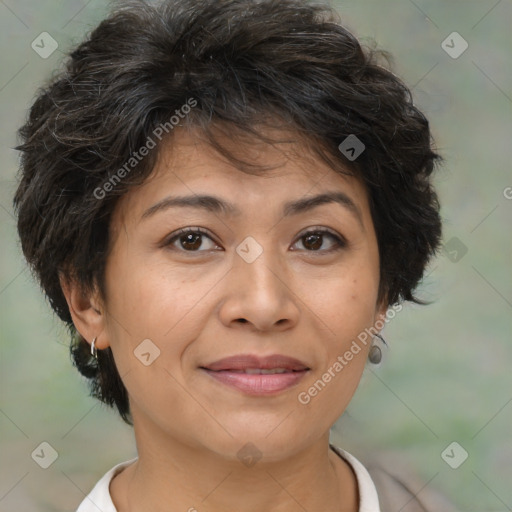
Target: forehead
<point>285,152</point>
<point>187,164</point>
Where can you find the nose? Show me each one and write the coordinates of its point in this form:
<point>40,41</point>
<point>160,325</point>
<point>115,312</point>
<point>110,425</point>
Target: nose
<point>259,295</point>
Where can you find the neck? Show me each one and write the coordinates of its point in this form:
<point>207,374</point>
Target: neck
<point>171,476</point>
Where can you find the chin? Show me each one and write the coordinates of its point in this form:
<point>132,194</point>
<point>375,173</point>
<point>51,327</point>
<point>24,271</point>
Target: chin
<point>249,445</point>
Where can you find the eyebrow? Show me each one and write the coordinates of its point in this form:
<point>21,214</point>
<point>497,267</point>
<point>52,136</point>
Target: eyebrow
<point>219,206</point>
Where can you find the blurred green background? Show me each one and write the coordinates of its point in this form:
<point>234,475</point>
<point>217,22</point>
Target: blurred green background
<point>446,377</point>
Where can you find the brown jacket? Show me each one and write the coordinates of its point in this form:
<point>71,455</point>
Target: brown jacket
<point>399,489</point>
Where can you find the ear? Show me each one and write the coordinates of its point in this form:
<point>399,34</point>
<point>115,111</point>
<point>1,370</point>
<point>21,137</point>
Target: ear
<point>87,312</point>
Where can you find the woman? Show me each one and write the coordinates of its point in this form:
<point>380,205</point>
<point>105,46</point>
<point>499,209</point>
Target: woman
<point>223,200</point>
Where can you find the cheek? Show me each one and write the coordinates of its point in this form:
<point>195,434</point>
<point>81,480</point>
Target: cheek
<point>347,305</point>
<point>149,327</point>
<point>156,303</point>
<point>348,313</point>
<point>147,299</point>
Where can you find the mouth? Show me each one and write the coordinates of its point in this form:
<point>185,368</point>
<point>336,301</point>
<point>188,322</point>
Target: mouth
<point>255,375</point>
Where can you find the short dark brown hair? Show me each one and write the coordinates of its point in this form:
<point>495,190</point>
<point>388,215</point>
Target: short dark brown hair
<point>243,62</point>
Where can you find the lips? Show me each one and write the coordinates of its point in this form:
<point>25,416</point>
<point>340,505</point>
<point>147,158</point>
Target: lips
<point>254,364</point>
<point>255,375</point>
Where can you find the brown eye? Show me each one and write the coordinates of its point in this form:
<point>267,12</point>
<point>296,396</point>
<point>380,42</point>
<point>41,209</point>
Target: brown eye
<point>190,240</point>
<point>314,240</point>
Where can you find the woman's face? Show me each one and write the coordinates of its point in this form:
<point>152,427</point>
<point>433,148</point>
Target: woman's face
<point>258,281</point>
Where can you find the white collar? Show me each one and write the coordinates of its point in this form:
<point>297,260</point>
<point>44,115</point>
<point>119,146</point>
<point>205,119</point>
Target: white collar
<point>99,499</point>
<point>368,499</point>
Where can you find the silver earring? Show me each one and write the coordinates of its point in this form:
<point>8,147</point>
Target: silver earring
<point>94,351</point>
<point>375,354</point>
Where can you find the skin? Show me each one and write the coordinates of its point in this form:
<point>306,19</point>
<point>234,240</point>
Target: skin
<point>197,306</point>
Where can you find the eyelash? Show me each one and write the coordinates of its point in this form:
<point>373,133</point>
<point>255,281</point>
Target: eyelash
<point>339,241</point>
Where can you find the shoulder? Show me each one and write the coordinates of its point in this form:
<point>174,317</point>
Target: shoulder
<point>388,483</point>
<point>400,488</point>
<point>99,498</point>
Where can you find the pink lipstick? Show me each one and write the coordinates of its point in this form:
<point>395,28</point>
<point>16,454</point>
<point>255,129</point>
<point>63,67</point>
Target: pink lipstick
<point>255,375</point>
